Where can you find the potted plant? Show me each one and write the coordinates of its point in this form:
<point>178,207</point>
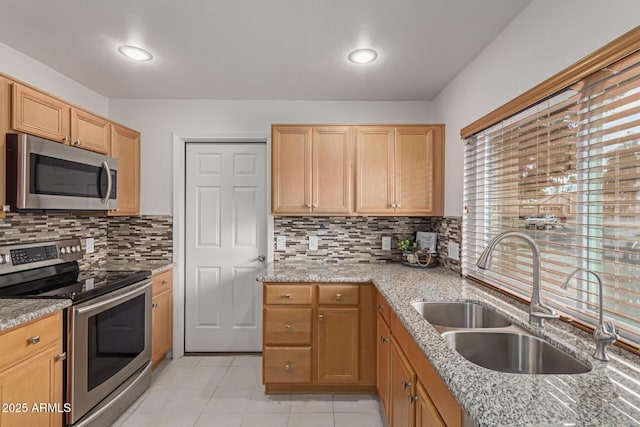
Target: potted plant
<point>408,246</point>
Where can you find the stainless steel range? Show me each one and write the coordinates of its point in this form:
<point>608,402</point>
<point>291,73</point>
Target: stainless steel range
<point>108,326</point>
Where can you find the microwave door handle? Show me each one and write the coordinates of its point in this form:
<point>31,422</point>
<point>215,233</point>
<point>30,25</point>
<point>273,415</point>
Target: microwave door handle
<point>105,165</point>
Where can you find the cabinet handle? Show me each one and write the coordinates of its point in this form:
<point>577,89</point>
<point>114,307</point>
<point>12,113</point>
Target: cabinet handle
<point>66,139</point>
<point>34,340</point>
<point>406,384</point>
<point>78,142</point>
<point>384,340</point>
<point>287,296</point>
<point>287,367</point>
<point>288,328</point>
<point>412,399</point>
<point>398,205</point>
<point>321,317</point>
<point>154,305</point>
<point>165,281</point>
<point>379,306</point>
<point>61,357</point>
<point>315,205</point>
<point>308,205</point>
<point>338,297</point>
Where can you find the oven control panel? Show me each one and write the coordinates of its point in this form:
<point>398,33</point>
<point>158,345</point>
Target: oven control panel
<point>31,255</point>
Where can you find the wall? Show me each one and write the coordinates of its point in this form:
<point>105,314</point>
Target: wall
<point>548,36</point>
<point>158,120</point>
<point>28,70</point>
<point>359,239</point>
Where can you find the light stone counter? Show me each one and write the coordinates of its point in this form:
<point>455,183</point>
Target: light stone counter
<point>609,395</point>
<point>16,311</point>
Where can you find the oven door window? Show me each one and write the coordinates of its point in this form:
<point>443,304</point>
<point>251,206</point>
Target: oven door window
<point>116,337</point>
<point>59,177</point>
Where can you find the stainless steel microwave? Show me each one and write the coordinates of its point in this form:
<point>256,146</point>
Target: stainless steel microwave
<point>47,175</point>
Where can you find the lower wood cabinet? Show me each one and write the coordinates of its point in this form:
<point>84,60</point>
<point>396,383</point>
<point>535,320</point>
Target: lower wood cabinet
<point>319,338</point>
<point>412,394</point>
<point>161,316</point>
<point>31,374</point>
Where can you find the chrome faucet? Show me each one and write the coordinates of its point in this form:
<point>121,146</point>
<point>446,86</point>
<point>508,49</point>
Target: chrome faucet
<point>606,332</point>
<point>538,311</point>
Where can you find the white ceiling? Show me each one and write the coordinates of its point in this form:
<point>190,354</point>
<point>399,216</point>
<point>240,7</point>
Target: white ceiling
<point>257,49</point>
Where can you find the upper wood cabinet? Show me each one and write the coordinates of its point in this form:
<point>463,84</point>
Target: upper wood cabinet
<point>90,132</point>
<point>125,146</point>
<point>311,171</point>
<point>39,114</point>
<point>400,170</point>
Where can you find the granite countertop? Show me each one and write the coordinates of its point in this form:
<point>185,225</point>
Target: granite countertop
<point>156,267</point>
<point>609,395</point>
<point>16,311</point>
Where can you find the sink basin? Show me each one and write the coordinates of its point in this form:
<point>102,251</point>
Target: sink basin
<point>460,315</point>
<point>513,352</point>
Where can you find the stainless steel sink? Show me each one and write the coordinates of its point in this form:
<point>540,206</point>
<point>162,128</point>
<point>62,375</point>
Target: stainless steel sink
<point>460,315</point>
<point>513,352</point>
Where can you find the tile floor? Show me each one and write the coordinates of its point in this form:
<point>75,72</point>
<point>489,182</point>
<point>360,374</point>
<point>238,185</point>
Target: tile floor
<point>226,391</point>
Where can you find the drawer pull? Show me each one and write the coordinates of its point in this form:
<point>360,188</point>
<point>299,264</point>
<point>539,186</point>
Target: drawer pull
<point>34,340</point>
<point>154,305</point>
<point>384,340</point>
<point>288,328</point>
<point>412,399</point>
<point>379,306</point>
<point>287,367</point>
<point>287,296</point>
<point>165,281</point>
<point>338,297</point>
<point>61,357</point>
<point>406,384</point>
<point>320,316</point>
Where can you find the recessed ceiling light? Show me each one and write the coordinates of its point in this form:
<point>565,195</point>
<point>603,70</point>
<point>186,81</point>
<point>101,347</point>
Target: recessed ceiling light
<point>363,56</point>
<point>134,52</point>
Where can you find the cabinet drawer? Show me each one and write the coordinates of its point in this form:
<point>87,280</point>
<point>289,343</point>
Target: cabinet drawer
<point>287,365</point>
<point>287,325</point>
<point>288,294</point>
<point>162,282</point>
<point>382,308</point>
<point>338,294</point>
<point>21,342</point>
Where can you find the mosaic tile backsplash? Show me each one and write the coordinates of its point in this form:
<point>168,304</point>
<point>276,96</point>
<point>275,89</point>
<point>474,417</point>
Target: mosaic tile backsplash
<point>147,237</point>
<point>358,239</point>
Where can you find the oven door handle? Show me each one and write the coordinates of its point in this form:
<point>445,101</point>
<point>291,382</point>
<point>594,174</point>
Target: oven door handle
<point>105,166</point>
<point>112,301</point>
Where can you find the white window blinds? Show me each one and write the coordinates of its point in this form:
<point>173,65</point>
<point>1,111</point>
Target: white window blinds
<point>567,172</point>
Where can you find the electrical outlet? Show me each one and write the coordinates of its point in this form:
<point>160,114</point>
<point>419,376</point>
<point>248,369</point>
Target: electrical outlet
<point>281,243</point>
<point>453,250</point>
<point>313,243</point>
<point>386,243</point>
<point>89,246</point>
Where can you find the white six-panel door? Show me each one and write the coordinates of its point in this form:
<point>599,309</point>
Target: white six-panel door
<point>225,239</point>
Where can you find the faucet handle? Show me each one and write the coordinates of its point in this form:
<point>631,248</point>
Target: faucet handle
<point>610,328</point>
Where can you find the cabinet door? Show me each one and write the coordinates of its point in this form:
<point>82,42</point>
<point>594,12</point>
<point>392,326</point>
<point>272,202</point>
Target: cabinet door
<point>125,146</point>
<point>338,345</point>
<point>332,148</point>
<point>418,161</point>
<point>383,367</point>
<point>426,412</point>
<point>161,329</point>
<point>90,132</point>
<point>291,170</point>
<point>38,114</point>
<point>403,380</point>
<point>375,170</point>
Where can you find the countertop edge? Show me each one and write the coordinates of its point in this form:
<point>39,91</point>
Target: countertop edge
<point>17,311</point>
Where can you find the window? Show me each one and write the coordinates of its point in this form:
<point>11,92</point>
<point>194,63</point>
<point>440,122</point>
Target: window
<point>566,171</point>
